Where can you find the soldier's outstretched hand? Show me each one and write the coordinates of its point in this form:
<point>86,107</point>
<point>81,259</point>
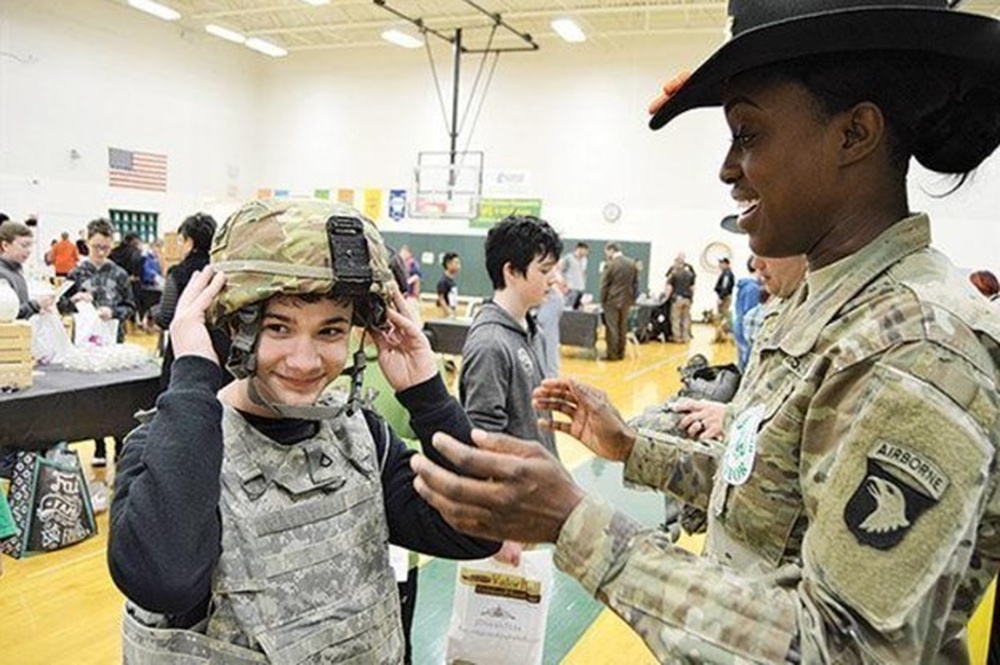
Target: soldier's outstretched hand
<point>509,488</point>
<point>188,333</point>
<point>593,420</point>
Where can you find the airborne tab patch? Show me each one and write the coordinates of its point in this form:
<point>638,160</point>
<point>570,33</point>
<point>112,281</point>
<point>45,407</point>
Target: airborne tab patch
<point>898,487</point>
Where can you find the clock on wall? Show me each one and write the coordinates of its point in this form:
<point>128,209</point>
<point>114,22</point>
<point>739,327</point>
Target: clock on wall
<point>612,212</point>
<point>713,252</point>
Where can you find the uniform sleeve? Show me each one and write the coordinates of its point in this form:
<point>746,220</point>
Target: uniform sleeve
<point>687,476</point>
<point>902,531</point>
<point>685,608</point>
<point>485,383</point>
<point>165,536</point>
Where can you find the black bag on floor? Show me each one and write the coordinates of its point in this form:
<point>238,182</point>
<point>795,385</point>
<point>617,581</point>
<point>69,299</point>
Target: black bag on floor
<point>50,502</point>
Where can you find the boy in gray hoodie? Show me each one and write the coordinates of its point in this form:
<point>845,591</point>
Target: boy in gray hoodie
<point>503,359</point>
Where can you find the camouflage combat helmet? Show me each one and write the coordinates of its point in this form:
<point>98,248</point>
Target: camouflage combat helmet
<point>298,247</point>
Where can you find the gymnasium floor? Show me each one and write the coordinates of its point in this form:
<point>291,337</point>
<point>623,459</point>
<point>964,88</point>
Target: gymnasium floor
<point>62,608</point>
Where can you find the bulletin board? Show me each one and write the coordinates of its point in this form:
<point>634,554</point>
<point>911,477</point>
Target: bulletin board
<point>145,224</point>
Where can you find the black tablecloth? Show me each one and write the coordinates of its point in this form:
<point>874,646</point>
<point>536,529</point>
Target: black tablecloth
<point>65,405</point>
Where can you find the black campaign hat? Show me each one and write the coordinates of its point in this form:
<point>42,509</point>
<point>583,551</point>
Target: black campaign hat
<point>730,223</point>
<point>770,31</point>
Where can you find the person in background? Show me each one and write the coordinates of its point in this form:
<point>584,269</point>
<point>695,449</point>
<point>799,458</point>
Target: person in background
<point>447,288</point>
<point>548,315</point>
<point>986,283</point>
<point>724,292</point>
<point>748,296</point>
<point>196,232</point>
<point>64,254</point>
<point>250,522</point>
<point>853,513</point>
<point>100,281</point>
<point>16,243</point>
<point>413,273</point>
<point>81,243</point>
<point>107,287</point>
<point>618,286</point>
<point>780,278</point>
<point>504,357</point>
<point>679,290</point>
<point>128,255</point>
<point>574,270</point>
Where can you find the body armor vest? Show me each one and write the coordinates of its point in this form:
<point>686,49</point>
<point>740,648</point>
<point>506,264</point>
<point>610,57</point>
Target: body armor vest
<point>304,574</point>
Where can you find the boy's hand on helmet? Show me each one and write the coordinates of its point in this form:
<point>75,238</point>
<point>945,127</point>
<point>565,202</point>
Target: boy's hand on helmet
<point>188,333</point>
<point>404,354</point>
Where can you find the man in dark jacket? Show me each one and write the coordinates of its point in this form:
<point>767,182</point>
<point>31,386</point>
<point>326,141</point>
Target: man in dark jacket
<point>617,297</point>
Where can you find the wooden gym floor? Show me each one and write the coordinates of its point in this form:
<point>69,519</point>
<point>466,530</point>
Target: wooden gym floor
<point>62,608</point>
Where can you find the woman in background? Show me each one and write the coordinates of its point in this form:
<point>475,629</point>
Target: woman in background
<point>196,233</point>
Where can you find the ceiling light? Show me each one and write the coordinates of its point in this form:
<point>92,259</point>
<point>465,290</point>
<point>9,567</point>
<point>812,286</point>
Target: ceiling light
<point>156,9</point>
<point>267,48</point>
<point>316,3</point>
<point>568,30</point>
<point>225,33</point>
<point>400,38</point>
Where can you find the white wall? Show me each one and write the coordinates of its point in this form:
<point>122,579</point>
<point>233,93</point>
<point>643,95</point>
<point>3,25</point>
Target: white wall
<point>571,117</point>
<point>89,74</point>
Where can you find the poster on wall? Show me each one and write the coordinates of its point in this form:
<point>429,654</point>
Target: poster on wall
<point>322,194</point>
<point>397,204</point>
<point>345,196</point>
<point>492,211</point>
<point>264,193</point>
<point>281,193</point>
<point>373,203</point>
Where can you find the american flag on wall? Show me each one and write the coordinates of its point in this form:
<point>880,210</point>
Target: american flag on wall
<point>138,170</point>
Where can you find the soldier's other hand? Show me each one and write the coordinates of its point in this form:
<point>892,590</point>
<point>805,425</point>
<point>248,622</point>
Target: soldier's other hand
<point>527,494</point>
<point>105,313</point>
<point>188,333</point>
<point>593,420</point>
<point>702,418</point>
<point>404,354</point>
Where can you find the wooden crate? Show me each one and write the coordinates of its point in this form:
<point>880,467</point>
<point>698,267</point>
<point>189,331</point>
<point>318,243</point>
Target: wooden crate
<point>16,362</point>
<point>16,375</point>
<point>13,334</point>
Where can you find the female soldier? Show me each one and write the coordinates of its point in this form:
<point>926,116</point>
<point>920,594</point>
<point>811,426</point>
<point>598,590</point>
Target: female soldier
<point>251,525</point>
<point>854,512</point>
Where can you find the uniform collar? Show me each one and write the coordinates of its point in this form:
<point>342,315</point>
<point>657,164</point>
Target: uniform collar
<point>827,290</point>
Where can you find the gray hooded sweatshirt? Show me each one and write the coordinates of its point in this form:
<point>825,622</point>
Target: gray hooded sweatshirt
<point>502,363</point>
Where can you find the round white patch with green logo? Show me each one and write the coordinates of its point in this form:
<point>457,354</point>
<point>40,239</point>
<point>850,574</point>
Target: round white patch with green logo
<point>741,449</point>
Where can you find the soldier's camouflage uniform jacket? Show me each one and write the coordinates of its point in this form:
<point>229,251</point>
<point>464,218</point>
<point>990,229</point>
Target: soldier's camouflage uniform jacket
<point>240,539</point>
<point>854,513</point>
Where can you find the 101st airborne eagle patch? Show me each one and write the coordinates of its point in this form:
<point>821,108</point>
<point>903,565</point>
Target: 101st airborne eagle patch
<point>898,487</point>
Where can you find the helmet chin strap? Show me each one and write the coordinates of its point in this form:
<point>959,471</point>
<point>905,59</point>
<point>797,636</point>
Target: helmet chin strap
<point>326,407</point>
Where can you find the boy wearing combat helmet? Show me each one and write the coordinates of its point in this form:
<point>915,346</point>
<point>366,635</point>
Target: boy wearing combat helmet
<point>250,525</point>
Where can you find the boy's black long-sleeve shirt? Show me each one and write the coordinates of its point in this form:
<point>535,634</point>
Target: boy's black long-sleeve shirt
<point>165,539</point>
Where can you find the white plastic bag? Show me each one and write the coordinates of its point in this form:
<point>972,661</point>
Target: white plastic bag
<point>49,339</point>
<point>89,329</point>
<point>499,612</point>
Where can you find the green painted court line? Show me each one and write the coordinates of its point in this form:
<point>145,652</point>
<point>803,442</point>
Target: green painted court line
<point>572,610</point>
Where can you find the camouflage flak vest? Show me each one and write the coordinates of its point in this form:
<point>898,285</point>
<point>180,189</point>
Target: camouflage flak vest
<point>304,575</point>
